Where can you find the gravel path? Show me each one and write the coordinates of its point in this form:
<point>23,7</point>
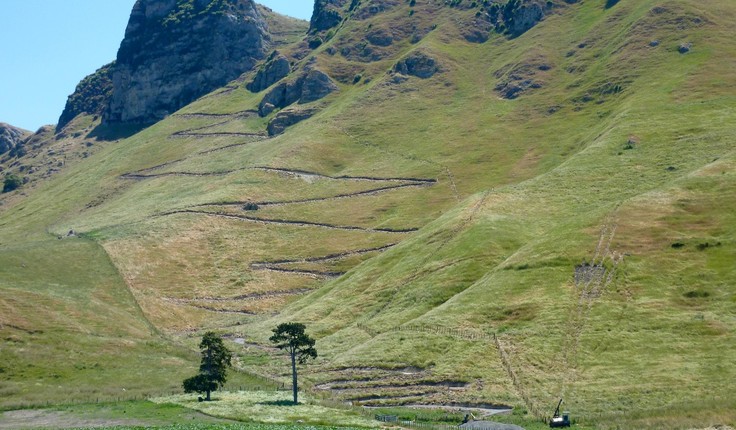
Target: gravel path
<point>489,425</point>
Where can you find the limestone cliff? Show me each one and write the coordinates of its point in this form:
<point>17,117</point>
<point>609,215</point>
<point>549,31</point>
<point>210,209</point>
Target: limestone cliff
<point>175,51</point>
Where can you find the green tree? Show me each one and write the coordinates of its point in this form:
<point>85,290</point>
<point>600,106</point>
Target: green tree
<point>11,183</point>
<point>213,368</point>
<point>292,338</point>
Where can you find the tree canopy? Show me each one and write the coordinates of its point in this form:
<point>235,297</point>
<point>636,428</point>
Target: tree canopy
<point>213,367</point>
<point>293,338</point>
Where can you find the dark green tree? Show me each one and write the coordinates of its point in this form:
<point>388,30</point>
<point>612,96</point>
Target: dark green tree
<point>292,338</point>
<point>213,368</point>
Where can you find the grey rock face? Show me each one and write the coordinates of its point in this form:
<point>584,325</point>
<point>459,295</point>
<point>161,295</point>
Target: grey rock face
<point>417,64</point>
<point>287,118</point>
<point>316,85</point>
<point>525,17</point>
<point>11,137</point>
<point>327,14</point>
<point>276,68</point>
<point>280,96</point>
<point>309,87</point>
<point>173,54</point>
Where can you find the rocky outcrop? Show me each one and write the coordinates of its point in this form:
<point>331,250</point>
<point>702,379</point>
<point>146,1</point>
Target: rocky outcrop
<point>11,137</point>
<point>175,51</point>
<point>309,87</point>
<point>287,118</point>
<point>374,7</point>
<point>327,14</point>
<point>521,15</point>
<point>91,96</point>
<point>417,64</point>
<point>275,69</point>
<point>516,79</point>
<point>380,37</point>
<point>316,85</point>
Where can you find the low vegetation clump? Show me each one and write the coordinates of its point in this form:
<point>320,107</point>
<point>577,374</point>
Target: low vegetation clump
<point>11,183</point>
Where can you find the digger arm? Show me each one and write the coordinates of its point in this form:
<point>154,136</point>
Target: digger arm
<point>557,411</point>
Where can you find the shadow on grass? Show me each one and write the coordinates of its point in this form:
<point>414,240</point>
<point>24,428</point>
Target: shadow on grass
<point>280,403</point>
<point>109,132</point>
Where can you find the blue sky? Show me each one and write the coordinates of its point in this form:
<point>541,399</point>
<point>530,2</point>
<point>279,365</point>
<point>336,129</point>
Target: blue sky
<point>48,46</point>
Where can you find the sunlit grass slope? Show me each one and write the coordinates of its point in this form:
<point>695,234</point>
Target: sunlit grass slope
<point>454,220</point>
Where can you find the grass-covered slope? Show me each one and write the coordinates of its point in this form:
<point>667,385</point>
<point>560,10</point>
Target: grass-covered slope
<point>548,215</point>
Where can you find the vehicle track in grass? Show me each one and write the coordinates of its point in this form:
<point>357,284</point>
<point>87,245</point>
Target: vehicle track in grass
<point>278,265</point>
<point>591,280</point>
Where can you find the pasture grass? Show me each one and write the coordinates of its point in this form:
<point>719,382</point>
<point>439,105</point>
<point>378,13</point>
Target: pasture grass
<point>524,189</point>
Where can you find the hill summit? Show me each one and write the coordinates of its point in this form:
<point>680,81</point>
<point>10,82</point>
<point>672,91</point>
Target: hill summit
<point>175,51</point>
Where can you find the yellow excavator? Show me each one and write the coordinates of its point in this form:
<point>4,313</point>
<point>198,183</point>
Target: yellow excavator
<point>559,421</point>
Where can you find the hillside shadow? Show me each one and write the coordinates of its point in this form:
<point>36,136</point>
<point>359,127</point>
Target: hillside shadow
<point>116,131</point>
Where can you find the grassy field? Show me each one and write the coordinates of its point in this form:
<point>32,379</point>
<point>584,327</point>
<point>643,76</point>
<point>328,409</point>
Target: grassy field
<point>461,222</point>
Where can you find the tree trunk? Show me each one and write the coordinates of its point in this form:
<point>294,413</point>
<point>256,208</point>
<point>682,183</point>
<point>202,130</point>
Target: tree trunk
<point>293,376</point>
<point>208,395</point>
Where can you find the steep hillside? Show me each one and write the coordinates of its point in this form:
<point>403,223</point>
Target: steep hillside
<point>466,203</point>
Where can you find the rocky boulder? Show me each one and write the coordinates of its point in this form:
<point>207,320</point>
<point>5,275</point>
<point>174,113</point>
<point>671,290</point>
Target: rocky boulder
<point>524,16</point>
<point>11,137</point>
<point>175,51</point>
<point>309,87</point>
<point>417,64</point>
<point>91,96</point>
<point>282,95</point>
<point>316,85</point>
<point>275,69</point>
<point>287,118</point>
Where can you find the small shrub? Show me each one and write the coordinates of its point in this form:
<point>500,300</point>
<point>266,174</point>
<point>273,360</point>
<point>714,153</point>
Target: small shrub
<point>703,246</point>
<point>250,206</point>
<point>697,294</point>
<point>357,78</point>
<point>678,245</point>
<point>11,183</point>
<point>315,42</point>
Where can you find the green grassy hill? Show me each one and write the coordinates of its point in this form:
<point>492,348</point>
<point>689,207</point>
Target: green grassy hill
<point>445,242</point>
